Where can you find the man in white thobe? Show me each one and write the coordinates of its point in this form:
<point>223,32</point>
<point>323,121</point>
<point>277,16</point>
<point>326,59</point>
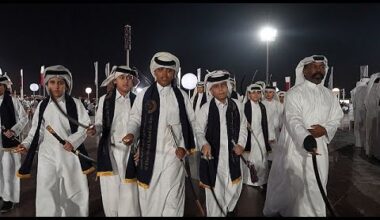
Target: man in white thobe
<point>62,188</point>
<point>158,110</point>
<point>372,120</point>
<point>199,98</point>
<point>119,198</point>
<point>360,112</point>
<point>274,109</point>
<point>13,120</point>
<point>312,116</point>
<point>281,97</point>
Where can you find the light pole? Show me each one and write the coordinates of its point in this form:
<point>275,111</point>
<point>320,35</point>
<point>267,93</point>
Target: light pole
<point>268,34</point>
<point>88,91</point>
<point>127,41</point>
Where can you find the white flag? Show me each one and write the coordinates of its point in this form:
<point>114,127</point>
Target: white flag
<point>179,78</point>
<point>287,83</point>
<point>199,74</point>
<point>364,71</point>
<point>107,70</point>
<point>22,85</point>
<point>96,73</point>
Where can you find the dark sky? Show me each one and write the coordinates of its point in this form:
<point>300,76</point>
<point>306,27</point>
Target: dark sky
<point>210,36</point>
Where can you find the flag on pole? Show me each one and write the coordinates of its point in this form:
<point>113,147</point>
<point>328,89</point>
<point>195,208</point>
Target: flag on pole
<point>287,83</point>
<point>179,78</point>
<point>96,84</point>
<point>364,71</point>
<point>331,83</point>
<point>107,70</point>
<point>42,80</point>
<point>199,74</point>
<point>22,85</point>
<point>96,73</point>
<point>42,76</point>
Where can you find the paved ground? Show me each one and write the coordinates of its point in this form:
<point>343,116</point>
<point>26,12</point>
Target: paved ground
<point>353,186</point>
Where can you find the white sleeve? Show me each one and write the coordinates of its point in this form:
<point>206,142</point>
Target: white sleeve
<point>243,133</point>
<point>99,116</point>
<point>190,116</point>
<point>202,120</point>
<point>28,140</point>
<point>270,117</point>
<point>335,117</point>
<point>21,117</point>
<point>293,119</point>
<point>134,121</point>
<point>78,137</point>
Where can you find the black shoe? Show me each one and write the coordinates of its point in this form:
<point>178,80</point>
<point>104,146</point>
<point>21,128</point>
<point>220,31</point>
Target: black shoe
<point>6,207</point>
<point>231,214</point>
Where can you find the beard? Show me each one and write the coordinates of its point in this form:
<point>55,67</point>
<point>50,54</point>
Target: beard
<point>318,76</point>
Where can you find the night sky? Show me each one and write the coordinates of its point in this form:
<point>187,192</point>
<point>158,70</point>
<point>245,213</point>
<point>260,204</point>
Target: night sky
<point>210,36</point>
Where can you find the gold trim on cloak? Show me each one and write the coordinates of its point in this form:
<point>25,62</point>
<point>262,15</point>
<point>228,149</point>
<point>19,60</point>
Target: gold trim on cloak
<point>106,173</point>
<point>236,181</point>
<point>143,185</point>
<point>134,180</point>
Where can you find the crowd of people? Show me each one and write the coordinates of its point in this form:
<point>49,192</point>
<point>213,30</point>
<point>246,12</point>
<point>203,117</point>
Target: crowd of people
<point>365,99</point>
<point>262,138</point>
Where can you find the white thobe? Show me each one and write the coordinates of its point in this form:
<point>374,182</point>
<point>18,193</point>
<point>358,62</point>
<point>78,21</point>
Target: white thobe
<point>274,109</point>
<point>227,192</point>
<point>195,157</point>
<point>257,155</point>
<point>62,188</point>
<point>372,120</point>
<point>119,198</point>
<point>292,186</point>
<point>11,162</point>
<point>360,115</point>
<point>165,195</point>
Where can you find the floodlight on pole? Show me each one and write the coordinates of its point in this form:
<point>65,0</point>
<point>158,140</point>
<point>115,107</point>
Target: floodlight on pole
<point>88,91</point>
<point>268,34</point>
<point>34,87</point>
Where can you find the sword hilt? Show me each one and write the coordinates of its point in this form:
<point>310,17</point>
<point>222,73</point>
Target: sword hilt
<point>4,129</point>
<point>51,131</point>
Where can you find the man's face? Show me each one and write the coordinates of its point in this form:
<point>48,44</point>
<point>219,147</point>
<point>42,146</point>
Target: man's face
<point>2,89</point>
<point>269,94</point>
<point>255,95</point>
<point>124,83</point>
<point>200,89</point>
<point>57,87</point>
<point>314,72</point>
<point>220,91</point>
<point>164,76</point>
<point>281,97</point>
